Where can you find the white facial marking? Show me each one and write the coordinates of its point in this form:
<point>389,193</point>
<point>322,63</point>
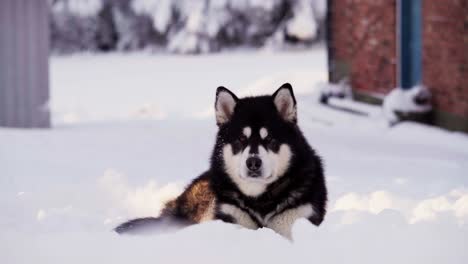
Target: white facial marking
<point>241,217</point>
<point>283,223</point>
<point>267,162</point>
<point>247,131</point>
<point>281,159</point>
<point>274,165</point>
<point>263,133</point>
<point>234,164</point>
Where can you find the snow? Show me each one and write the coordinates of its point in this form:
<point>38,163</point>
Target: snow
<point>81,93</point>
<point>341,89</point>
<point>396,194</point>
<point>146,200</point>
<point>83,7</point>
<point>404,101</point>
<point>301,26</point>
<point>160,12</point>
<point>320,8</point>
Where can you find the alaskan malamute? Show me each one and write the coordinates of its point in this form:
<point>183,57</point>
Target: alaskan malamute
<point>262,173</point>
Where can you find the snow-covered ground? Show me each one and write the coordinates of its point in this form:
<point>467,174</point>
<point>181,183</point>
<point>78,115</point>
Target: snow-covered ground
<point>131,130</point>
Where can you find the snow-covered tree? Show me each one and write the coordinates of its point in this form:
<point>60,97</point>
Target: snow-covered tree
<point>184,26</point>
<point>74,24</point>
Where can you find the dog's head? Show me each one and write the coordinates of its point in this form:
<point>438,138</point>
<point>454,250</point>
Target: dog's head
<point>255,137</point>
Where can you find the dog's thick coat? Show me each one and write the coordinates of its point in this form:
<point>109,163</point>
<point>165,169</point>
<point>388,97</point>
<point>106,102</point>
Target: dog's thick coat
<point>263,172</point>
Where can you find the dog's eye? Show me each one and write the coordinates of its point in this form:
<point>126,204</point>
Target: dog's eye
<point>239,144</point>
<point>271,143</point>
<point>243,139</point>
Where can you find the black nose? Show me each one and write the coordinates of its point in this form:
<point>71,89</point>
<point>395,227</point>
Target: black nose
<point>254,163</point>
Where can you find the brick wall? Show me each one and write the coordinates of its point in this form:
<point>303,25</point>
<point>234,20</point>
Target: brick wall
<point>363,40</point>
<point>445,54</point>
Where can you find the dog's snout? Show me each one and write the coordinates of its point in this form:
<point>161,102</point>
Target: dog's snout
<point>254,163</point>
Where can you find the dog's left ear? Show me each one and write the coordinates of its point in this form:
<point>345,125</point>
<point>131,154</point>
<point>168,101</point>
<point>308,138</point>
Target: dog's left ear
<point>286,103</point>
<point>224,106</point>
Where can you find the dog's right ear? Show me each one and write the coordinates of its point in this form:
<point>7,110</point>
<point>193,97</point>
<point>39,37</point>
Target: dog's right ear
<point>285,103</point>
<point>224,106</point>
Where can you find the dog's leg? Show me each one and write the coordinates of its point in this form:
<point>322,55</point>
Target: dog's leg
<point>237,216</point>
<point>282,223</point>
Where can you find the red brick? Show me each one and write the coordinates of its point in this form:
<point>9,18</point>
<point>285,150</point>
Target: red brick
<point>445,54</point>
<point>363,34</point>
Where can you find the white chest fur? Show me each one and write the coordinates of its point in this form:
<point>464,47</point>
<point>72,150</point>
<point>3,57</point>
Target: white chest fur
<point>281,223</point>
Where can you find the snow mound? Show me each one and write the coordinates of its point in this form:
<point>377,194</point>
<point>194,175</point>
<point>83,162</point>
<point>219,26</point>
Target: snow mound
<point>429,209</point>
<point>147,200</point>
<point>374,203</point>
<point>341,89</point>
<point>353,205</point>
<point>415,99</point>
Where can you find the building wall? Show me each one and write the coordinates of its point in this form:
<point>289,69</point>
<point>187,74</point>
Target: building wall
<point>363,43</point>
<point>445,54</point>
<point>24,73</point>
<point>362,38</point>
